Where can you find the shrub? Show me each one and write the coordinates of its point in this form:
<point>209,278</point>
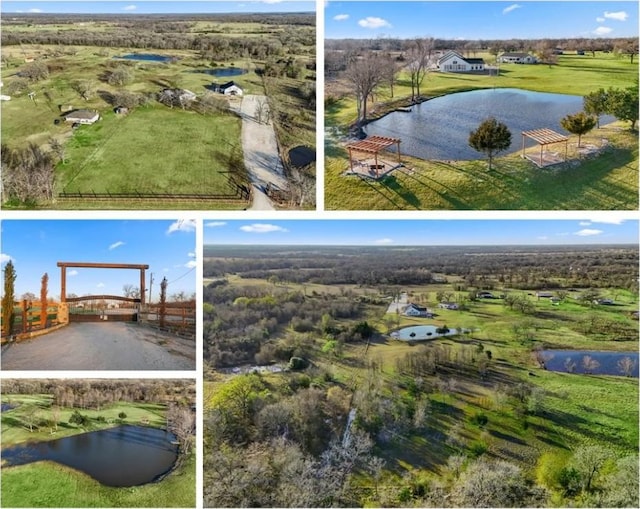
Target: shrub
<point>122,415</point>
<point>479,419</point>
<point>298,363</point>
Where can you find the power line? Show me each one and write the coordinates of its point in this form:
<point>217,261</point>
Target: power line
<point>183,275</point>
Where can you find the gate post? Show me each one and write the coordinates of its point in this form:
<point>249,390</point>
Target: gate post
<point>63,313</point>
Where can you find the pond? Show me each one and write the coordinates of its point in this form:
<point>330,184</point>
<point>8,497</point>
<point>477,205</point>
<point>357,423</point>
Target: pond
<point>5,407</point>
<point>439,129</point>
<point>421,333</point>
<point>608,363</point>
<point>147,57</point>
<point>223,71</point>
<point>121,456</point>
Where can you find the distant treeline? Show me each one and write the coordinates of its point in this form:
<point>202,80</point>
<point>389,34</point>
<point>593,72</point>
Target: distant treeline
<point>172,33</point>
<point>97,393</point>
<point>525,266</point>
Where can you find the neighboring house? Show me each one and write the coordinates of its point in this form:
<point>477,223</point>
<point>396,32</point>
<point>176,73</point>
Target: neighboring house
<point>517,58</point>
<point>176,97</point>
<point>229,88</point>
<point>453,61</point>
<point>453,306</point>
<point>82,117</point>
<point>603,302</point>
<point>415,310</point>
<point>121,110</point>
<point>485,295</point>
<point>544,295</point>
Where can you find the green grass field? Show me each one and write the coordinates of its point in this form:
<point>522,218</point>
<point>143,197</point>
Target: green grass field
<point>48,484</point>
<point>606,182</point>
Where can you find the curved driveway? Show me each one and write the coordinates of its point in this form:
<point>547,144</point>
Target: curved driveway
<point>101,346</point>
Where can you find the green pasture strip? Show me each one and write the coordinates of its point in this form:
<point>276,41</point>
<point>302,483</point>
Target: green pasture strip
<point>15,430</point>
<point>48,484</point>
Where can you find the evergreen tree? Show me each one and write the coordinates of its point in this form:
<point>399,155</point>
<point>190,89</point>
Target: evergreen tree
<point>595,103</point>
<point>579,124</point>
<point>491,137</point>
<point>8,315</point>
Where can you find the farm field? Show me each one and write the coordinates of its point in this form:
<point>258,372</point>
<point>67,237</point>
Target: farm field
<point>30,418</point>
<point>405,423</point>
<point>605,181</point>
<point>180,154</point>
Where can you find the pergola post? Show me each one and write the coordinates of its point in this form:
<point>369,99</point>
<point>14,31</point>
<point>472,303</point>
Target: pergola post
<point>398,144</point>
<point>142,287</point>
<point>350,160</point>
<point>523,137</point>
<point>63,284</point>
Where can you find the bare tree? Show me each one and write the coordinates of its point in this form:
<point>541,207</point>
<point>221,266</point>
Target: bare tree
<point>85,88</point>
<point>181,421</point>
<point>365,74</point>
<point>419,60</point>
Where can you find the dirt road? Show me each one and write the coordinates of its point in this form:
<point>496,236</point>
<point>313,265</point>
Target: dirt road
<point>260,153</point>
<point>101,346</point>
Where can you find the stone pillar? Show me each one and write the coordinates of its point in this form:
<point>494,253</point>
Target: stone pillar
<point>63,313</point>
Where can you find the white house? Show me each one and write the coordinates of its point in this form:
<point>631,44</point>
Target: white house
<point>453,306</point>
<point>82,116</point>
<point>517,58</point>
<point>415,310</point>
<point>229,88</point>
<point>452,61</point>
<point>544,295</point>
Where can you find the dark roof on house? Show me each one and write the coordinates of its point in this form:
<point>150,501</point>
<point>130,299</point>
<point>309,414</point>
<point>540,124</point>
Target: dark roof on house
<point>516,55</point>
<point>84,114</point>
<point>416,307</point>
<point>475,60</point>
<point>226,85</point>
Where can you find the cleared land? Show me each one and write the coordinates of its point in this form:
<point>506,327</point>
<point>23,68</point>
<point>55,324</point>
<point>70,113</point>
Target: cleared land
<point>606,182</point>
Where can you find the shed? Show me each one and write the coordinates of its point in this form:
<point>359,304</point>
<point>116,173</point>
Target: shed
<point>230,88</point>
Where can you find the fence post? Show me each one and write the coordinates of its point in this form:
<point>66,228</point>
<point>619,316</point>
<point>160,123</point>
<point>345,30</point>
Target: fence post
<point>25,317</point>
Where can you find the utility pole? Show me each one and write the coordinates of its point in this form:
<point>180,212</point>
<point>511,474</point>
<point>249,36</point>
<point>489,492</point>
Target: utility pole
<point>150,285</point>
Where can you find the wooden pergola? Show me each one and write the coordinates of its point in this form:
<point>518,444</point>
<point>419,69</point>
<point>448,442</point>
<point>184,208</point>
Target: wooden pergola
<point>544,137</point>
<point>372,145</point>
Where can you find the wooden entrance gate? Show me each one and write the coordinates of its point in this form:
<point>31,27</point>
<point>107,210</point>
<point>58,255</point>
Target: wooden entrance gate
<point>103,308</point>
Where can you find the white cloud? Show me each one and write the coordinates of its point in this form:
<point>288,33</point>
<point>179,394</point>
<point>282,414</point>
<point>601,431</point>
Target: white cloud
<point>271,1</point>
<point>603,31</point>
<point>72,273</point>
<point>384,241</point>
<point>512,7</point>
<point>619,15</point>
<point>166,269</point>
<point>542,237</point>
<point>599,19</point>
<point>191,264</point>
<point>101,285</point>
<point>262,228</point>
<point>585,223</point>
<point>182,225</point>
<point>341,17</point>
<point>116,245</point>
<point>4,258</point>
<point>373,22</point>
<point>35,10</point>
<point>191,255</point>
<point>588,232</point>
<point>215,224</point>
<point>606,220</point>
<point>130,8</point>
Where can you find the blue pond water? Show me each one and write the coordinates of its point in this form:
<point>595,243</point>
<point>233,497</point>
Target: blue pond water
<point>222,72</point>
<point>556,360</point>
<point>5,407</point>
<point>439,129</point>
<point>420,333</point>
<point>147,57</point>
<point>121,456</point>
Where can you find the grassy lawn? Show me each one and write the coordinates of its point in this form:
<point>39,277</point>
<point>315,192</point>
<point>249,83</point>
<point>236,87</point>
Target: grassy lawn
<point>49,484</point>
<point>137,153</point>
<point>606,182</point>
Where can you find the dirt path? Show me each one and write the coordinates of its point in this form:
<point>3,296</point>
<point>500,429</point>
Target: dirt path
<point>260,153</point>
<point>101,346</point>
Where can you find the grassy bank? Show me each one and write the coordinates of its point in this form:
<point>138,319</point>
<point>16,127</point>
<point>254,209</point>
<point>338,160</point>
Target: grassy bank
<point>608,181</point>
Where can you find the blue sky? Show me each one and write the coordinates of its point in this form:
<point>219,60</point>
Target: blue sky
<point>422,232</point>
<point>481,20</point>
<point>145,7</point>
<point>35,247</point>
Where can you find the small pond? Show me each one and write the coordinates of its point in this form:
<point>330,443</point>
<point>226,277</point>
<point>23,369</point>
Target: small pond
<point>223,72</point>
<point>572,361</point>
<point>439,129</point>
<point>5,407</point>
<point>420,333</point>
<point>146,57</point>
<point>121,456</point>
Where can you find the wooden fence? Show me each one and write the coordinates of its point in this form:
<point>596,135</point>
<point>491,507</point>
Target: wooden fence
<point>177,317</point>
<point>27,317</point>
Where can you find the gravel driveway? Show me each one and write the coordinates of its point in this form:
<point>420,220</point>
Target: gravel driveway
<point>260,153</point>
<point>101,346</point>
